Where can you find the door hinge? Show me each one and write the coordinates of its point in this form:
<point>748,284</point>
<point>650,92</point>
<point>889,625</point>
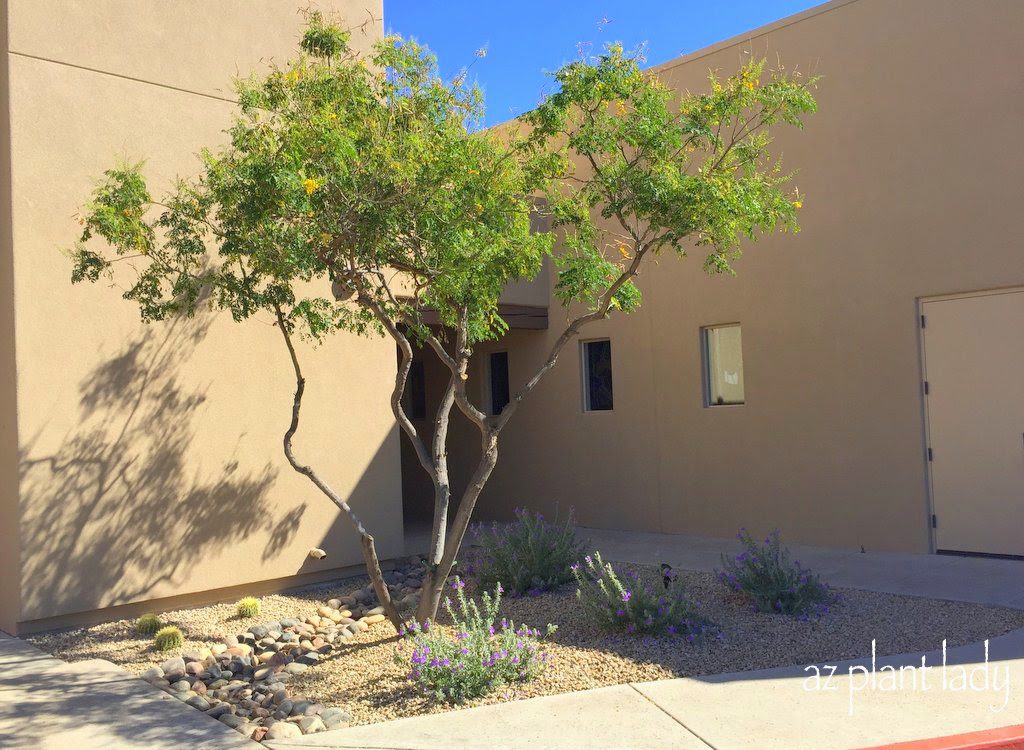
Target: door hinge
<point>926,388</point>
<point>935,521</point>
<point>930,456</point>
<point>922,321</point>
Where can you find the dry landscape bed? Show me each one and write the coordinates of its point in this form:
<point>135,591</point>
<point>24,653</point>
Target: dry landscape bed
<point>362,676</point>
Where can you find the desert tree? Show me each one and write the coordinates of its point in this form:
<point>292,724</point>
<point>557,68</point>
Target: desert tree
<point>360,193</point>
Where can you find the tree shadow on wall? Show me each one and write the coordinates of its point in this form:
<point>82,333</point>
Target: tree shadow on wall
<point>117,508</point>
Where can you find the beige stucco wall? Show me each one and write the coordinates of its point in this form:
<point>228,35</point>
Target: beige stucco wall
<point>9,546</point>
<point>912,181</point>
<point>150,456</point>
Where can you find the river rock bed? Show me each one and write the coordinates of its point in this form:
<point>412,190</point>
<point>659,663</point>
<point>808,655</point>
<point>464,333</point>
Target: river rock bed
<point>244,680</point>
<point>360,677</point>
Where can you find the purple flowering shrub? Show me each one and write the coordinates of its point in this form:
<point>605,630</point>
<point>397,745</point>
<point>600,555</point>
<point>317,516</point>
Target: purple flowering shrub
<point>529,555</point>
<point>634,606</point>
<point>482,655</point>
<point>764,574</point>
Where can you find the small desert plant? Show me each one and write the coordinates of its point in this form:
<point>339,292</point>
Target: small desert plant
<point>148,624</point>
<point>168,638</point>
<point>634,606</point>
<point>479,657</point>
<point>249,607</point>
<point>529,555</point>
<point>764,574</point>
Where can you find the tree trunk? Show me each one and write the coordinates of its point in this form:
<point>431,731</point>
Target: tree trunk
<point>365,538</point>
<point>437,576</point>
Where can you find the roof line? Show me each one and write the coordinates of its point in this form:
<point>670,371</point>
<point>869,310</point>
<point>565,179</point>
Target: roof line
<point>749,36</point>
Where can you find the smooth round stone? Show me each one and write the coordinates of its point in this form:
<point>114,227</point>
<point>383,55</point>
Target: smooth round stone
<point>296,668</point>
<point>313,709</point>
<point>219,710</point>
<point>311,725</point>
<point>198,701</point>
<point>181,686</point>
<point>153,673</point>
<point>335,718</point>
<point>283,730</point>
<point>173,669</point>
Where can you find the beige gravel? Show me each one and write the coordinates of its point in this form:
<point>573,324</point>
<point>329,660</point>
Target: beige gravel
<point>363,677</point>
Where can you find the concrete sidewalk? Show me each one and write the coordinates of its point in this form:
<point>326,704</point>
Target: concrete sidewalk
<point>982,580</point>
<point>776,708</point>
<point>48,704</point>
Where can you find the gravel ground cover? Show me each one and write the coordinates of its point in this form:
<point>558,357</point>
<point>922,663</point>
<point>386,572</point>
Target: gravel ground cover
<point>362,677</point>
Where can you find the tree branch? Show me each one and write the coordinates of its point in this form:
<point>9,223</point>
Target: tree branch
<point>366,539</point>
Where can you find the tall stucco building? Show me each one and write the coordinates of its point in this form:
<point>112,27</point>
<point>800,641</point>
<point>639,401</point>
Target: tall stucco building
<point>144,462</point>
<point>856,384</point>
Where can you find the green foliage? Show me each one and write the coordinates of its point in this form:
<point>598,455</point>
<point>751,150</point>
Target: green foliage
<point>479,657</point>
<point>323,39</point>
<point>148,624</point>
<point>649,168</point>
<point>529,555</point>
<point>340,169</point>
<point>634,607</point>
<point>168,638</point>
<point>765,575</point>
<point>249,607</point>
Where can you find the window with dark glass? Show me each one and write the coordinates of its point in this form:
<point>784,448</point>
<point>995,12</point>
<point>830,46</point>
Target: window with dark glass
<point>597,375</point>
<point>498,381</point>
<point>416,392</point>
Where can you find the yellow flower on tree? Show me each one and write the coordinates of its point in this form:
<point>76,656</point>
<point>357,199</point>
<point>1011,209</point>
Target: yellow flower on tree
<point>620,108</point>
<point>311,185</point>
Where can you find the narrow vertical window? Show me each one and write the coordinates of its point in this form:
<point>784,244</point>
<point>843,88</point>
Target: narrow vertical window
<point>498,382</point>
<point>416,392</point>
<point>597,375</point>
<point>723,365</point>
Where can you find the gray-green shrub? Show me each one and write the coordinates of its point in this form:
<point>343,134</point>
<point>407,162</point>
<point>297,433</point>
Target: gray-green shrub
<point>764,574</point>
<point>528,555</point>
<point>482,654</point>
<point>633,606</point>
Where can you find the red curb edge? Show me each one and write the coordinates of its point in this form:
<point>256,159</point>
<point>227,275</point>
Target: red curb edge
<point>1003,738</point>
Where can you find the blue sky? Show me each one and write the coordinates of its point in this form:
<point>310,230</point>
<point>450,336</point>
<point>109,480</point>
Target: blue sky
<point>526,38</point>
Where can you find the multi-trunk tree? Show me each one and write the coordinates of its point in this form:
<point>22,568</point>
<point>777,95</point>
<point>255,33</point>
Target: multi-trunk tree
<point>358,193</point>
